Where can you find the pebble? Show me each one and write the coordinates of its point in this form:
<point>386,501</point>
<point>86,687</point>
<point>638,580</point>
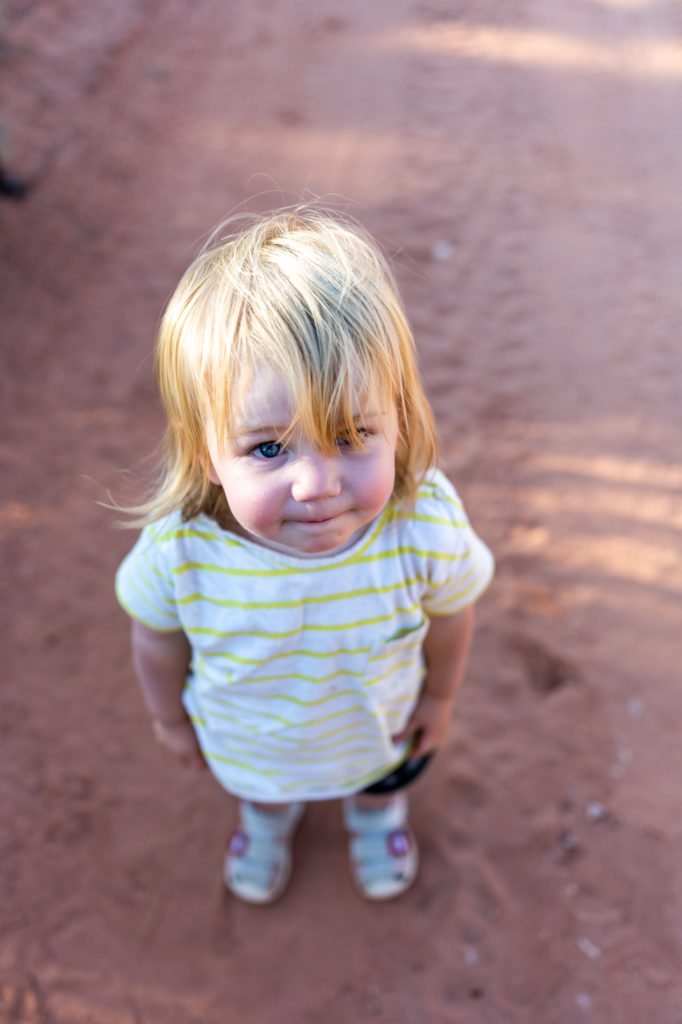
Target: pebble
<point>583,1001</point>
<point>635,707</point>
<point>471,955</point>
<point>595,811</point>
<point>442,251</point>
<point>589,948</point>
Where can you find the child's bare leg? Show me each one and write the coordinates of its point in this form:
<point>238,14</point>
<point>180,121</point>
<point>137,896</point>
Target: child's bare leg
<point>369,802</point>
<point>270,808</point>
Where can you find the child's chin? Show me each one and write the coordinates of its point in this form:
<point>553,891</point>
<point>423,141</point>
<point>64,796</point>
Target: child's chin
<point>320,545</point>
<point>308,546</point>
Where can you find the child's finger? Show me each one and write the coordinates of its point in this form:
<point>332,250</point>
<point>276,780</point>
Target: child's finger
<point>423,745</point>
<point>411,734</point>
<point>408,732</point>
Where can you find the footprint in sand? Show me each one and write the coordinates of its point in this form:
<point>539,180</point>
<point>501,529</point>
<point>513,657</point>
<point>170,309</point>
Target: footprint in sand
<point>546,671</point>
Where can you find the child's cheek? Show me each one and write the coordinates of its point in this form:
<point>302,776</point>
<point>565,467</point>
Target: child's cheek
<point>377,484</point>
<point>253,505</point>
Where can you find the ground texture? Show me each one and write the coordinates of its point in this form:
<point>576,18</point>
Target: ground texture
<point>521,163</point>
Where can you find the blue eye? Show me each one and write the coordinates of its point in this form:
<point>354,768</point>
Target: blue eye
<point>268,450</point>
<point>344,441</point>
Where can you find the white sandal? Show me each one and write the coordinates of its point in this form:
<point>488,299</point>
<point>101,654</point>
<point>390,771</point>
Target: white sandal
<point>257,865</point>
<point>384,859</point>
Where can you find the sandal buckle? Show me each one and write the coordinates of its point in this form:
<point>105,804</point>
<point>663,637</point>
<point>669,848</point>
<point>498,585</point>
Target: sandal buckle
<point>239,844</point>
<point>398,843</point>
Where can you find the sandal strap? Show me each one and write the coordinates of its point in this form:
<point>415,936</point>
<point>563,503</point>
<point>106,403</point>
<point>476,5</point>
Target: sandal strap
<point>383,851</point>
<point>258,860</point>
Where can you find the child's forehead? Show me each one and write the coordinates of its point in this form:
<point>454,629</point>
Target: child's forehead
<point>265,399</point>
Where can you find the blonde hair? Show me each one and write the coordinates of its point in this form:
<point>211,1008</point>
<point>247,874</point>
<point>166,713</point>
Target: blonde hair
<point>312,298</point>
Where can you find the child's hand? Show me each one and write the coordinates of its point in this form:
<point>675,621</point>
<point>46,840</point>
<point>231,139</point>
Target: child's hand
<point>179,737</point>
<point>427,724</point>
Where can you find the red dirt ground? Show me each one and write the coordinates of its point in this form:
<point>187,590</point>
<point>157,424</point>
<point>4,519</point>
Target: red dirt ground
<point>521,162</point>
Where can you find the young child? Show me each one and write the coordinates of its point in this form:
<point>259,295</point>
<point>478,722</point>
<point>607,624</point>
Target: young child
<point>302,590</point>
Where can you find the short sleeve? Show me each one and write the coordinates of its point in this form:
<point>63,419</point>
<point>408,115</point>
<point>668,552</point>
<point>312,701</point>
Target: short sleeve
<point>144,583</point>
<point>459,565</point>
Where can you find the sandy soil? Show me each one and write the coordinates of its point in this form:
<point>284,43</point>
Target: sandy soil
<point>521,161</point>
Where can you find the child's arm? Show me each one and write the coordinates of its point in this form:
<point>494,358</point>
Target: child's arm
<point>161,662</point>
<point>446,648</point>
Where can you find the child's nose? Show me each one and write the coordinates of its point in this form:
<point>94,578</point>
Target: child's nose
<point>316,477</point>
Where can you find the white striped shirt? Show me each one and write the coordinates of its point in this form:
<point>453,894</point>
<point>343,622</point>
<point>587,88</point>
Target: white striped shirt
<point>304,668</point>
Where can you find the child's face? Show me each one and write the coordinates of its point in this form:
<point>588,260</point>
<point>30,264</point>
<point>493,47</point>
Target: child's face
<point>295,498</point>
